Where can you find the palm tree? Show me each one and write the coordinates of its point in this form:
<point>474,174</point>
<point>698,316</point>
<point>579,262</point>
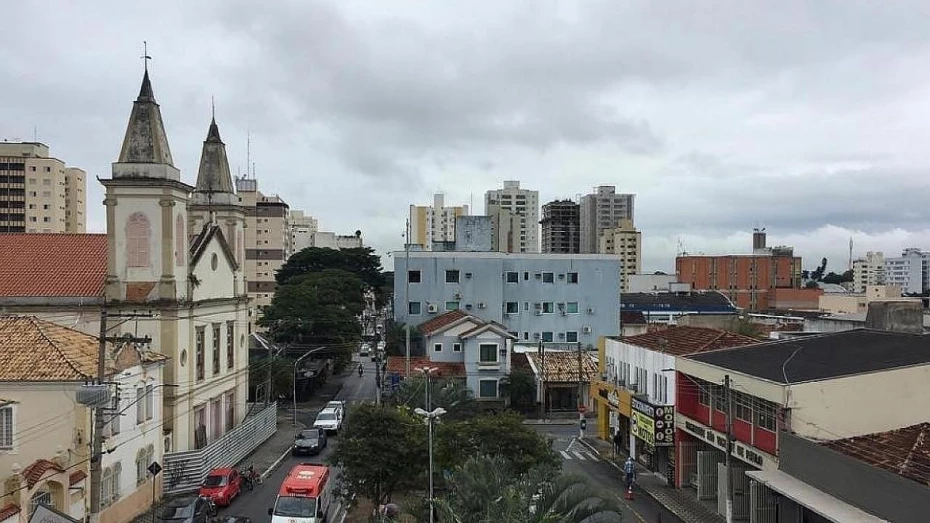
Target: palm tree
<point>484,490</point>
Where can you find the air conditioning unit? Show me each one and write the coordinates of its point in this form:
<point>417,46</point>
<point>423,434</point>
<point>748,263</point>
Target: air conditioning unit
<point>561,335</point>
<point>538,305</point>
<point>621,382</point>
<point>481,305</point>
<point>457,296</point>
<point>467,275</point>
<point>538,275</point>
<point>586,329</point>
<point>536,335</point>
<point>634,387</point>
<point>468,306</point>
<point>590,311</point>
<point>432,308</point>
<point>561,276</point>
<point>538,312</point>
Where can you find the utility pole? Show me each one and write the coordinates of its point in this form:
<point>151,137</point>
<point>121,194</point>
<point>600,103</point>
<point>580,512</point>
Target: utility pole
<point>542,376</point>
<point>729,400</point>
<point>269,374</point>
<point>407,298</point>
<point>581,405</point>
<point>377,369</point>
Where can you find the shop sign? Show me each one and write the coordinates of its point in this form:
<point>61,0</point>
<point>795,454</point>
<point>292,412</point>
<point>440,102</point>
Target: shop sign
<point>643,427</point>
<point>613,399</point>
<point>740,450</point>
<point>662,422</point>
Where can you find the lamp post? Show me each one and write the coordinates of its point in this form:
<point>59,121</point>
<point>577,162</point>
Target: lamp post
<point>294,378</point>
<point>430,416</point>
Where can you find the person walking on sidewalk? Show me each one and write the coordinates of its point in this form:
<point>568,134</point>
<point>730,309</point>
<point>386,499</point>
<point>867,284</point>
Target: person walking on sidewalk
<point>629,469</point>
<point>618,439</point>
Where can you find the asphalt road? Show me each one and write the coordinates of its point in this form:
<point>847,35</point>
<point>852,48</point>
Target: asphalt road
<point>578,459</point>
<point>255,504</point>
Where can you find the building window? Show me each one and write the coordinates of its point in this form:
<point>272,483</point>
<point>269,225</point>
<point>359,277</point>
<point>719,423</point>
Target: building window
<point>230,344</point>
<point>230,410</point>
<point>144,458</point>
<point>487,353</point>
<point>487,389</point>
<point>140,405</point>
<point>109,485</point>
<point>199,364</point>
<point>765,415</point>
<point>548,277</point>
<point>413,307</point>
<point>526,276</point>
<point>149,402</point>
<point>216,349</point>
<point>571,277</point>
<point>452,276</point>
<point>6,427</point>
<point>720,398</point>
<point>138,239</point>
<point>452,305</point>
<point>547,336</point>
<point>437,347</point>
<point>456,347</point>
<point>571,337</point>
<point>42,497</point>
<point>547,307</point>
<point>571,307</point>
<point>513,277</point>
<point>743,407</point>
<point>703,393</point>
<point>413,276</point>
<point>513,307</point>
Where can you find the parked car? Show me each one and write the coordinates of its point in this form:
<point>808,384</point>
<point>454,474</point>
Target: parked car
<point>337,405</point>
<point>309,442</point>
<point>329,420</point>
<point>185,509</point>
<point>364,350</point>
<point>222,486</point>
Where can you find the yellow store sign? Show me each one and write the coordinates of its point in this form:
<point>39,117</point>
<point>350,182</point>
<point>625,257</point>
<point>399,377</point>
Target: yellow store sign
<point>643,427</point>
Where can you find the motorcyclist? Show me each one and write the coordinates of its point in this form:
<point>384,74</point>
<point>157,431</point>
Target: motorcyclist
<point>361,369</point>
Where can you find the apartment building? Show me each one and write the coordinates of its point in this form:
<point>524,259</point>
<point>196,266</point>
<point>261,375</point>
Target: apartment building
<point>603,209</point>
<point>910,271</point>
<point>38,193</point>
<point>434,224</point>
<point>522,208</point>
<point>869,270</point>
<point>268,242</point>
<point>752,281</point>
<point>303,227</point>
<point>537,297</point>
<point>561,222</point>
<point>625,242</point>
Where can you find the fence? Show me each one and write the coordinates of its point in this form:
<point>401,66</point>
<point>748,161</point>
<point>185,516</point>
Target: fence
<point>185,471</point>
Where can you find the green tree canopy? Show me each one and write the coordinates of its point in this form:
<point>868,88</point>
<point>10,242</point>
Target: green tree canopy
<point>503,435</point>
<point>395,340</point>
<point>361,261</point>
<point>453,396</point>
<point>380,452</point>
<point>833,277</point>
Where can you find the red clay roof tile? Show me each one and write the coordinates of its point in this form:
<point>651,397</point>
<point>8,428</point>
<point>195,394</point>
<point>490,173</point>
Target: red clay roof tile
<point>8,511</point>
<point>34,472</point>
<point>37,350</point>
<point>76,477</point>
<point>562,366</point>
<point>52,265</point>
<point>904,451</point>
<point>685,340</point>
<point>436,324</point>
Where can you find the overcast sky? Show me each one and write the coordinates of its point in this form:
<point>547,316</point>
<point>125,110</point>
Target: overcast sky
<point>809,118</point>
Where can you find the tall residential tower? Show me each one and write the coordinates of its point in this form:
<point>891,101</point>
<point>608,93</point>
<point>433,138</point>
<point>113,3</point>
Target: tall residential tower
<point>523,206</point>
<point>38,193</point>
<point>603,209</point>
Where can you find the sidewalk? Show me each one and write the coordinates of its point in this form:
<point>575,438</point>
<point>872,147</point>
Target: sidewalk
<point>678,502</point>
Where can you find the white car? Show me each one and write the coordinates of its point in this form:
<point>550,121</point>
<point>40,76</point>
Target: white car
<point>338,406</point>
<point>329,420</point>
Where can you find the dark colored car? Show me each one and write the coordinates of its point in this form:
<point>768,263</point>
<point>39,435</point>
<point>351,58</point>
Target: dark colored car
<point>309,442</point>
<point>222,486</point>
<point>186,509</point>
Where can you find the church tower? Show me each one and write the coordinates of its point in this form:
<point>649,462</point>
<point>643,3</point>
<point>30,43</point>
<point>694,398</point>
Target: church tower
<point>214,199</point>
<point>146,212</point>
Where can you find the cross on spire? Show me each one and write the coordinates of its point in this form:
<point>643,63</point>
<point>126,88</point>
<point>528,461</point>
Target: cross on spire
<point>213,107</point>
<point>145,55</point>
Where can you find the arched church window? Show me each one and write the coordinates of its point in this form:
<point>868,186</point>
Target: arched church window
<point>138,240</point>
<point>180,245</point>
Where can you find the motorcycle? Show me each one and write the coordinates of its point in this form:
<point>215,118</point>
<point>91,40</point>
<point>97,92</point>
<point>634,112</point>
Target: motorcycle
<point>250,477</point>
<point>211,506</point>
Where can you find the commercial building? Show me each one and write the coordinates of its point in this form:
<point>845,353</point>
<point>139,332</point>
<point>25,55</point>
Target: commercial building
<point>601,210</point>
<point>38,193</point>
<point>521,208</point>
<point>433,224</point>
<point>566,298</point>
<point>757,281</point>
<point>625,242</point>
<point>801,385</point>
<point>835,303</point>
<point>910,271</point>
<point>869,270</point>
<point>561,227</point>
<point>668,307</point>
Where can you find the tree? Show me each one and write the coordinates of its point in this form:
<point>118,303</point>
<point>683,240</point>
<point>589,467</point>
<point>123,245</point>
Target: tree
<point>282,376</point>
<point>395,341</point>
<point>380,452</point>
<point>501,435</point>
<point>817,274</point>
<point>360,261</point>
<point>520,387</point>
<point>451,395</point>
<point>486,489</point>
<point>838,278</point>
<point>811,285</point>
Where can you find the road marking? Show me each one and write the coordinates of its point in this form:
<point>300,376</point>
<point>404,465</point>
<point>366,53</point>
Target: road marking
<point>580,455</point>
<point>565,454</point>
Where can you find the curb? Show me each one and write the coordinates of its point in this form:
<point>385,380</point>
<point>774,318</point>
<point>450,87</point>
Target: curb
<point>676,513</point>
<point>275,465</point>
<point>551,422</point>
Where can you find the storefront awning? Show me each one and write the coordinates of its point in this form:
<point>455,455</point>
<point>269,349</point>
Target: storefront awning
<point>811,498</point>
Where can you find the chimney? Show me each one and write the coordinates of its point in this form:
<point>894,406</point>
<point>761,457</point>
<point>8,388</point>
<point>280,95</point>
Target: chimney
<point>896,316</point>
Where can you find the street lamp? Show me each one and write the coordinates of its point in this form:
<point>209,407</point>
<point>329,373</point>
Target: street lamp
<point>294,378</point>
<point>430,416</point>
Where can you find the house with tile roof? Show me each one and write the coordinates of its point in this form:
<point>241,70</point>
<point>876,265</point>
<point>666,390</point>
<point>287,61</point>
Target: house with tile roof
<point>463,347</point>
<point>560,375</point>
<point>45,433</point>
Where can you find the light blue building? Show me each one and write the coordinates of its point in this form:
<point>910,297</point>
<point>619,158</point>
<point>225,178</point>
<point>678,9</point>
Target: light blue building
<point>558,298</point>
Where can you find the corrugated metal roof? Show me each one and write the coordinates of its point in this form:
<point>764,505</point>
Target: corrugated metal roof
<point>562,366</point>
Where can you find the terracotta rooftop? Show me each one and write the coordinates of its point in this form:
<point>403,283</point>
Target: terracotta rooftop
<point>8,511</point>
<point>436,324</point>
<point>52,265</point>
<point>562,366</point>
<point>905,451</point>
<point>37,350</point>
<point>397,365</point>
<point>685,340</point>
<point>34,472</point>
<point>76,477</point>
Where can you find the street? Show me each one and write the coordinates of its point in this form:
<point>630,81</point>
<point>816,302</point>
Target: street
<point>254,505</point>
<point>579,459</point>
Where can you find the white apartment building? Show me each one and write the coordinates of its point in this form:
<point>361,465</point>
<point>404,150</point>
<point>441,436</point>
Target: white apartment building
<point>910,271</point>
<point>434,224</point>
<point>303,227</point>
<point>869,270</point>
<point>625,242</point>
<point>600,210</point>
<point>523,206</point>
<point>38,193</point>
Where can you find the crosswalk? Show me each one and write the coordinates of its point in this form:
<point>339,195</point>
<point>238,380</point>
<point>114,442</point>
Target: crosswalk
<point>579,455</point>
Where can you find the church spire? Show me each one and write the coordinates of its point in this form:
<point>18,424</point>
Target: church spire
<point>214,182</point>
<point>145,140</point>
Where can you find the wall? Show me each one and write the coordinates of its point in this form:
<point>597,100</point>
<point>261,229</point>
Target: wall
<point>653,362</point>
<point>873,490</point>
<point>745,279</point>
<point>893,399</point>
<point>799,299</point>
<point>478,371</point>
<point>487,290</point>
<point>473,233</point>
<point>219,282</point>
<point>842,304</point>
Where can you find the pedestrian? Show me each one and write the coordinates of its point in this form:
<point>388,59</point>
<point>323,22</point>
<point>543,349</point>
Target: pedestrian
<point>618,439</point>
<point>629,469</point>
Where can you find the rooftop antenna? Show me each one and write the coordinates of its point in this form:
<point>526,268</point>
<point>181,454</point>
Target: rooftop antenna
<point>850,253</point>
<point>145,55</point>
<point>248,152</point>
<point>213,107</point>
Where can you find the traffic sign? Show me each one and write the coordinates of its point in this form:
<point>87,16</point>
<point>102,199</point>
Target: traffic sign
<point>154,468</point>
